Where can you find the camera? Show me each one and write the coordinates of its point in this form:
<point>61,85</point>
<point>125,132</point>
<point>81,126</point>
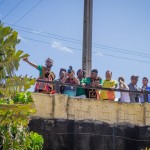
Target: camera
<point>70,69</point>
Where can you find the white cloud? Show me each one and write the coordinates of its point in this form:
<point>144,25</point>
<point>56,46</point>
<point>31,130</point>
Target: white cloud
<point>37,31</point>
<point>99,54</point>
<point>61,47</point>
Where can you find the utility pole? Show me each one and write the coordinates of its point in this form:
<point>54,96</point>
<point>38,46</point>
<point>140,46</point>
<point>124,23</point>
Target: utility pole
<point>87,36</point>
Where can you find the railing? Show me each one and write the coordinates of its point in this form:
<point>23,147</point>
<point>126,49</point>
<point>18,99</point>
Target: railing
<point>58,84</point>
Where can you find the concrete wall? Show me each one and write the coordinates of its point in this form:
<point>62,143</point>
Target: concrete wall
<point>62,107</point>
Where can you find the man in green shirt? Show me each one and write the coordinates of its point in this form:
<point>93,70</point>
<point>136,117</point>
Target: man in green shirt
<point>93,81</point>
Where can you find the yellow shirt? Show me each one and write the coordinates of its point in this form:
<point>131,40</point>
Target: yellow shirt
<point>108,94</point>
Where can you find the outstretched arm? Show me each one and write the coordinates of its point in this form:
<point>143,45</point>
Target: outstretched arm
<point>30,63</point>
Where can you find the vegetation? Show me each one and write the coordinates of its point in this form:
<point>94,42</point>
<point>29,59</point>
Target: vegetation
<point>16,104</point>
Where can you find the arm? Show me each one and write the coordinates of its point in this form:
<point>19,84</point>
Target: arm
<point>76,81</point>
<point>65,78</point>
<point>30,63</point>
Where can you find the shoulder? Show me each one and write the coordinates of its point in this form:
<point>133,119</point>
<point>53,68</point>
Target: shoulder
<point>113,81</point>
<point>87,78</point>
<point>52,74</point>
<point>40,67</point>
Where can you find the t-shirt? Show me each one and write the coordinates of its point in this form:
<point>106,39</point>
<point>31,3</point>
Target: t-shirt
<point>145,97</point>
<point>124,95</point>
<point>108,95</point>
<point>80,91</point>
<point>70,81</point>
<point>40,70</point>
<point>91,93</point>
<point>42,73</point>
<point>134,97</point>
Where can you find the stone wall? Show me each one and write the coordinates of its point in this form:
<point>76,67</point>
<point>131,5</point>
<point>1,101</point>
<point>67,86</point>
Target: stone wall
<point>62,107</point>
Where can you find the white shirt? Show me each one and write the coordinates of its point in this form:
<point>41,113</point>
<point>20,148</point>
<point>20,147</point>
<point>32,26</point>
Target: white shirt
<point>124,95</point>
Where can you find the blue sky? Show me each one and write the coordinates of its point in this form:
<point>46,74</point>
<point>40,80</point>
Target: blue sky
<point>123,24</point>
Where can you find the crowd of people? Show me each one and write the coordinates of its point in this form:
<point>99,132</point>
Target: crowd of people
<point>69,76</point>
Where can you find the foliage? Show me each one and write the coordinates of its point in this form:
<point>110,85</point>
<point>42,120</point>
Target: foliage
<point>16,104</point>
<point>36,141</point>
<point>15,84</point>
<point>20,139</point>
<point>9,57</point>
<point>23,98</point>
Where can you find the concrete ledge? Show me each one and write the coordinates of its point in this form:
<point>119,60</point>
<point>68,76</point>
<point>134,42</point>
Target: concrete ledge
<point>62,107</point>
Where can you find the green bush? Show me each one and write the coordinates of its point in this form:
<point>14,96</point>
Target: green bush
<point>23,98</point>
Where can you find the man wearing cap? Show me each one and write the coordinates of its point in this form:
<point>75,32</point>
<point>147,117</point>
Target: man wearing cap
<point>46,74</point>
<point>134,97</point>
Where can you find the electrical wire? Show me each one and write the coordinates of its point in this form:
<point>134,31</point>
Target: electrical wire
<point>12,9</point>
<point>95,45</point>
<point>95,52</point>
<point>28,12</point>
<point>135,54</point>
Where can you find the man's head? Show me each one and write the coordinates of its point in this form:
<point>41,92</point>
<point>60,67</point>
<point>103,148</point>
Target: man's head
<point>62,73</point>
<point>108,75</point>
<point>81,73</point>
<point>49,63</point>
<point>145,81</point>
<point>120,79</point>
<point>134,79</point>
<point>94,73</point>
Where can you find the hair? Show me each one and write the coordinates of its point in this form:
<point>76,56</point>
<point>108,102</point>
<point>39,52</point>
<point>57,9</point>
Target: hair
<point>121,78</point>
<point>134,77</point>
<point>145,78</point>
<point>94,70</point>
<point>109,72</point>
<point>48,59</point>
<point>62,69</point>
<point>78,71</point>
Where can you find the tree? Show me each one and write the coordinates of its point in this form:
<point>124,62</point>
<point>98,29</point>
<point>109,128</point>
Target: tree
<point>16,105</point>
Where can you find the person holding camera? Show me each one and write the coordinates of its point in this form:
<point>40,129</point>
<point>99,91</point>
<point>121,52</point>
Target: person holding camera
<point>72,80</point>
<point>124,95</point>
<point>134,97</point>
<point>92,81</point>
<point>81,74</point>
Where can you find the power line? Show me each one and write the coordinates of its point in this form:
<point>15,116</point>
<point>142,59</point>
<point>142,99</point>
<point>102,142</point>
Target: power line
<point>95,52</point>
<point>58,38</point>
<point>115,50</point>
<point>126,50</point>
<point>49,43</point>
<point>12,9</point>
<point>105,47</point>
<point>28,12</point>
<point>45,33</point>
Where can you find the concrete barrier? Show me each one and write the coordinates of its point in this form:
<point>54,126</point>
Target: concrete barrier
<point>62,107</point>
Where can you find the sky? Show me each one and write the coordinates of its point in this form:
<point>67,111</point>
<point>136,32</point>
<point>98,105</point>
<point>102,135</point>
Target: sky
<point>54,28</point>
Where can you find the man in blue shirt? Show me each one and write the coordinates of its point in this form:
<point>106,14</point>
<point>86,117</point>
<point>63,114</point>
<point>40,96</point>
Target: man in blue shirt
<point>145,97</point>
